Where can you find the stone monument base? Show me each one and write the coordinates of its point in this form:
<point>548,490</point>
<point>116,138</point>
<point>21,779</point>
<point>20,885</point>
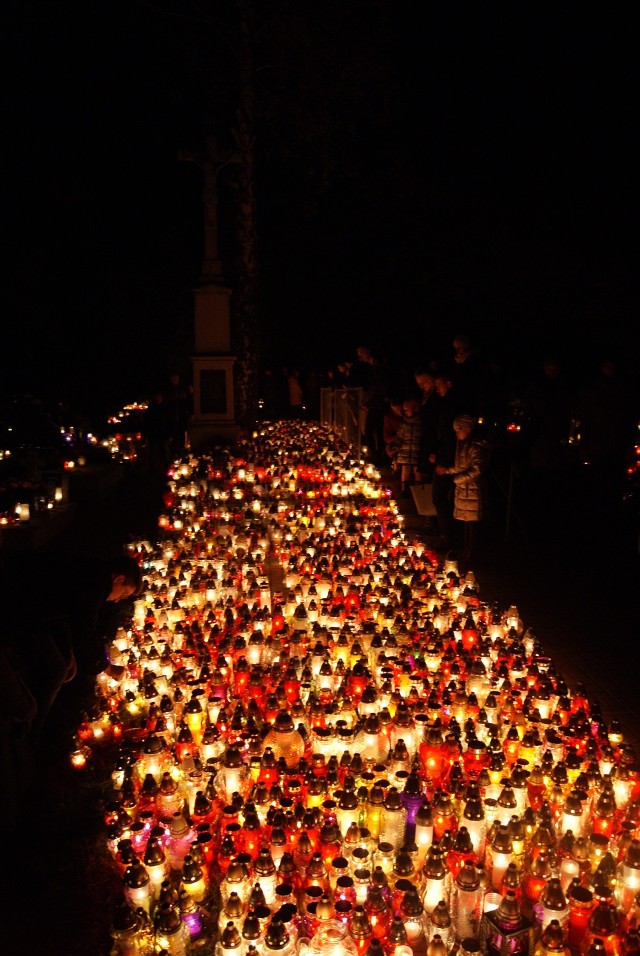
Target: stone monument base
<point>205,434</point>
<point>213,400</point>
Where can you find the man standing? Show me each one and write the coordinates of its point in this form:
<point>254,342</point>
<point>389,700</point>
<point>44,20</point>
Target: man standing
<point>179,404</point>
<point>371,374</point>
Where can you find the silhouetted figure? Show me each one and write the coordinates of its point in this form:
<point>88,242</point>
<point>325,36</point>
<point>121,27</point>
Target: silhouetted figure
<point>469,374</point>
<point>408,441</point>
<point>547,405</point>
<point>607,418</point>
<point>425,380</point>
<point>157,433</point>
<point>370,373</point>
<point>179,401</point>
<point>316,381</point>
<point>391,422</point>
<point>444,454</point>
<point>295,393</point>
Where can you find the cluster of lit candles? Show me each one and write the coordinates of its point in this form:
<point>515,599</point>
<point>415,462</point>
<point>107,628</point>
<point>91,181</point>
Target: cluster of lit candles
<point>323,739</point>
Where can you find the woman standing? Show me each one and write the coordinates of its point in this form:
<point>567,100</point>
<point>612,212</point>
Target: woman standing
<point>468,472</point>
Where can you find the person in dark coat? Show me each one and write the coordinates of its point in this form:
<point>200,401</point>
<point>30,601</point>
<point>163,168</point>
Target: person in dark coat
<point>407,442</point>
<point>548,405</point>
<point>469,374</point>
<point>372,375</point>
<point>157,430</point>
<point>444,454</point>
<point>179,406</point>
<point>390,425</point>
<point>425,380</point>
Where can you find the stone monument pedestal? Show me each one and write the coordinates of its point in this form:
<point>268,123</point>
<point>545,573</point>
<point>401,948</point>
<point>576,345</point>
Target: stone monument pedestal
<point>213,420</point>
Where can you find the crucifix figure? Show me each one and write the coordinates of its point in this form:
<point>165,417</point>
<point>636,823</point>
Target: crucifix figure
<point>211,160</point>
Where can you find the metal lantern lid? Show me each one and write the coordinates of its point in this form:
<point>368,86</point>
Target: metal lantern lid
<point>237,872</point>
<point>169,920</point>
<point>502,842</point>
<point>264,865</point>
<point>411,905</point>
<point>393,800</point>
<point>125,919</point>
<point>553,896</point>
<point>234,907</point>
<point>403,865</point>
<point>474,809</point>
<point>178,826</point>
<point>632,855</point>
<point>230,937</point>
<point>553,938</point>
<point>251,926</point>
<point>154,853</point>
<point>136,875</point>
<point>440,915</point>
<point>168,784</point>
<point>434,866</point>
<point>153,744</point>
<point>508,916</point>
<point>360,926</point>
<point>397,931</point>
<point>376,795</point>
<point>324,908</point>
<point>468,879</point>
<point>437,946</point>
<point>424,814</point>
<point>233,758</point>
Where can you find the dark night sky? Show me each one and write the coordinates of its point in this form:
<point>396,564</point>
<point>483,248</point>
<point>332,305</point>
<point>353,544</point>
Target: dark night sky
<point>503,197</point>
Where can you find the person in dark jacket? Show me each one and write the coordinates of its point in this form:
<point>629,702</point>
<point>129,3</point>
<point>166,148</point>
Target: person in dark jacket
<point>179,411</point>
<point>407,441</point>
<point>372,375</point>
<point>390,425</point>
<point>425,380</point>
<point>444,454</point>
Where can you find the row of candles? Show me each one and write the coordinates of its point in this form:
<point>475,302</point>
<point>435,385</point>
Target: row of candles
<point>322,738</point>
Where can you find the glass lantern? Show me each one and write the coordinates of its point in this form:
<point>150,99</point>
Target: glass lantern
<point>552,905</point>
<point>172,934</point>
<point>628,876</point>
<point>234,776</point>
<point>330,939</point>
<point>505,931</point>
<point>553,941</point>
<point>437,878</point>
<point>137,886</point>
<point>499,854</point>
<point>371,741</point>
<point>393,819</point>
<point>284,740</point>
<point>130,931</point>
<point>466,902</point>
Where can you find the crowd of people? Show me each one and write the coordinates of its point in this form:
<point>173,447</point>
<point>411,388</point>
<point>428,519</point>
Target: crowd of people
<point>567,432</point>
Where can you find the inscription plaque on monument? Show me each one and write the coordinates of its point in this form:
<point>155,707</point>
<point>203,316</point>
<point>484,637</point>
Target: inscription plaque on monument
<point>213,391</point>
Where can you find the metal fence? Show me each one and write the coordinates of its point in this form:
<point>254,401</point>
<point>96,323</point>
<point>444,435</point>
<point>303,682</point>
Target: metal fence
<point>341,409</point>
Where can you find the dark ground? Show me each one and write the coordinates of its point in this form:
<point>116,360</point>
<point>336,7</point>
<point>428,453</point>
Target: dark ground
<point>574,579</point>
